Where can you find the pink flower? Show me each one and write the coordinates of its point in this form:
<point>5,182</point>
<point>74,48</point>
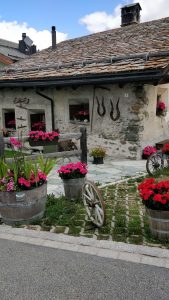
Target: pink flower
<point>10,185</point>
<point>24,182</point>
<point>148,150</point>
<point>161,105</point>
<point>72,170</point>
<point>15,142</point>
<point>43,136</point>
<point>42,175</point>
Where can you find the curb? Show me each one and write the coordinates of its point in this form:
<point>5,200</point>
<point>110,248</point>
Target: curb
<point>115,250</point>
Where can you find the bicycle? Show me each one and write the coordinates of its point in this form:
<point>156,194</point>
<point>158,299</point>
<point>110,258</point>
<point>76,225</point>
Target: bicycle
<point>157,161</point>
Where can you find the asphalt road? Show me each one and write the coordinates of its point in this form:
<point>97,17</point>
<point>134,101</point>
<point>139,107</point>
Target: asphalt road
<point>31,272</point>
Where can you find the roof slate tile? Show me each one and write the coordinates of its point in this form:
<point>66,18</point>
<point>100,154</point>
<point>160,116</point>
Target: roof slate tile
<point>144,38</point>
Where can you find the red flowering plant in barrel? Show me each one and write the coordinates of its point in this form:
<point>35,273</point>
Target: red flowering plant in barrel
<point>43,136</point>
<point>165,149</point>
<point>21,173</point>
<point>155,194</point>
<point>73,170</point>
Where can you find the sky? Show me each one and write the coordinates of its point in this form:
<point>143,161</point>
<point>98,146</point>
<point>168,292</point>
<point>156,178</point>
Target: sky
<point>72,18</point>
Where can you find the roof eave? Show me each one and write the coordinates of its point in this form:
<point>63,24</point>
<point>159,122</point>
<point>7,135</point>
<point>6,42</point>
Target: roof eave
<point>142,76</point>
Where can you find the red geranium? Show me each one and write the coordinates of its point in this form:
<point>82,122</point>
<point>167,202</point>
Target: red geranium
<point>73,170</point>
<point>15,143</point>
<point>161,105</point>
<point>43,136</point>
<point>165,149</point>
<point>155,195</point>
<point>148,150</point>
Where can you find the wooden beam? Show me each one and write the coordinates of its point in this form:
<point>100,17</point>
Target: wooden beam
<point>62,137</point>
<point>83,145</point>
<point>49,155</point>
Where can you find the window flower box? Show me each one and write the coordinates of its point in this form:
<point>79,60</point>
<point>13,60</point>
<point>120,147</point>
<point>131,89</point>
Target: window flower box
<point>41,138</point>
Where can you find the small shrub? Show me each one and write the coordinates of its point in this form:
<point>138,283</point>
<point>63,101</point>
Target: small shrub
<point>98,152</point>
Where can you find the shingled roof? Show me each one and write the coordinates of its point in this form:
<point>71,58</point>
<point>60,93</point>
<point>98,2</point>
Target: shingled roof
<point>10,50</point>
<point>141,48</point>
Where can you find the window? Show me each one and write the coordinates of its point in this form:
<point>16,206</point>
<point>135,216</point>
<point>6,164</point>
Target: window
<point>79,110</point>
<point>161,105</point>
<point>37,121</point>
<point>9,119</point>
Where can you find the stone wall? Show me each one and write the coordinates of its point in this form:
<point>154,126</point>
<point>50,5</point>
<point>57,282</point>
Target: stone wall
<point>29,100</point>
<point>123,132</point>
<point>120,137</point>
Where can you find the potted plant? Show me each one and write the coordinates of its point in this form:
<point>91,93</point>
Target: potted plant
<point>147,151</point>
<point>41,138</point>
<point>73,176</point>
<point>155,197</point>
<point>98,154</point>
<point>23,187</point>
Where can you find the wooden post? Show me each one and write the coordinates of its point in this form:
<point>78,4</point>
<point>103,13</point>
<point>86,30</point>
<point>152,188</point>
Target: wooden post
<point>2,147</point>
<point>83,144</point>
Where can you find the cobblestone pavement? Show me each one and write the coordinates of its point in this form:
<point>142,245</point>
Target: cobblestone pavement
<point>111,171</point>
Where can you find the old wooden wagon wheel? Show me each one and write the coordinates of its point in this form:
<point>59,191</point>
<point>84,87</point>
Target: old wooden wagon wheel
<point>93,202</point>
<point>154,163</point>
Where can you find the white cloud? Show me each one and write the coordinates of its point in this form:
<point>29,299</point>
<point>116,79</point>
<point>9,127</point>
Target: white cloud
<point>100,20</point>
<point>153,9</point>
<point>12,31</point>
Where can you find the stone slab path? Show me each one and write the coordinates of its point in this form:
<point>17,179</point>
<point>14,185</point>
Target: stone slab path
<point>111,171</point>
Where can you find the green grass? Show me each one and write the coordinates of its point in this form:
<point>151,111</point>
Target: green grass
<point>12,153</point>
<point>125,219</point>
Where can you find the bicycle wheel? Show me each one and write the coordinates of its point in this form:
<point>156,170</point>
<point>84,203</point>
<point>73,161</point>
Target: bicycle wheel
<point>93,202</point>
<point>154,163</point>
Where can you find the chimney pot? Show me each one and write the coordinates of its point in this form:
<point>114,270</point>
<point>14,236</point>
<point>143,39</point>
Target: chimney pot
<point>53,37</point>
<point>23,36</point>
<point>130,14</point>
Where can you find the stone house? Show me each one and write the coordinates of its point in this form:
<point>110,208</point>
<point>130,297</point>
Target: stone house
<point>110,82</point>
<point>11,52</point>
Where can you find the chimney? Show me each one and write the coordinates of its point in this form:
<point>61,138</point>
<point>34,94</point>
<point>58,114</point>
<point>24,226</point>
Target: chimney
<point>53,37</point>
<point>130,14</point>
<point>25,45</point>
<point>23,36</point>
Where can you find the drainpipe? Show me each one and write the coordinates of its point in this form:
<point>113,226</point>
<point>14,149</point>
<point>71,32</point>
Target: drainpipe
<point>52,107</point>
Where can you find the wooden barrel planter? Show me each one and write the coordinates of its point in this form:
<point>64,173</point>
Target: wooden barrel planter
<point>159,223</point>
<point>73,188</point>
<point>23,207</point>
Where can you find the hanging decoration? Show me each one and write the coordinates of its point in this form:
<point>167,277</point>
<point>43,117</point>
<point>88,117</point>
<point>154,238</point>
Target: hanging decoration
<point>101,114</point>
<point>115,118</point>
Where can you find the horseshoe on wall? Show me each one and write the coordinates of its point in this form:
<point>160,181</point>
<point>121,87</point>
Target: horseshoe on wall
<point>117,110</point>
<point>101,114</point>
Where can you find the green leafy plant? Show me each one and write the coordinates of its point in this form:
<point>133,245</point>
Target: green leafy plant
<point>22,173</point>
<point>98,152</point>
